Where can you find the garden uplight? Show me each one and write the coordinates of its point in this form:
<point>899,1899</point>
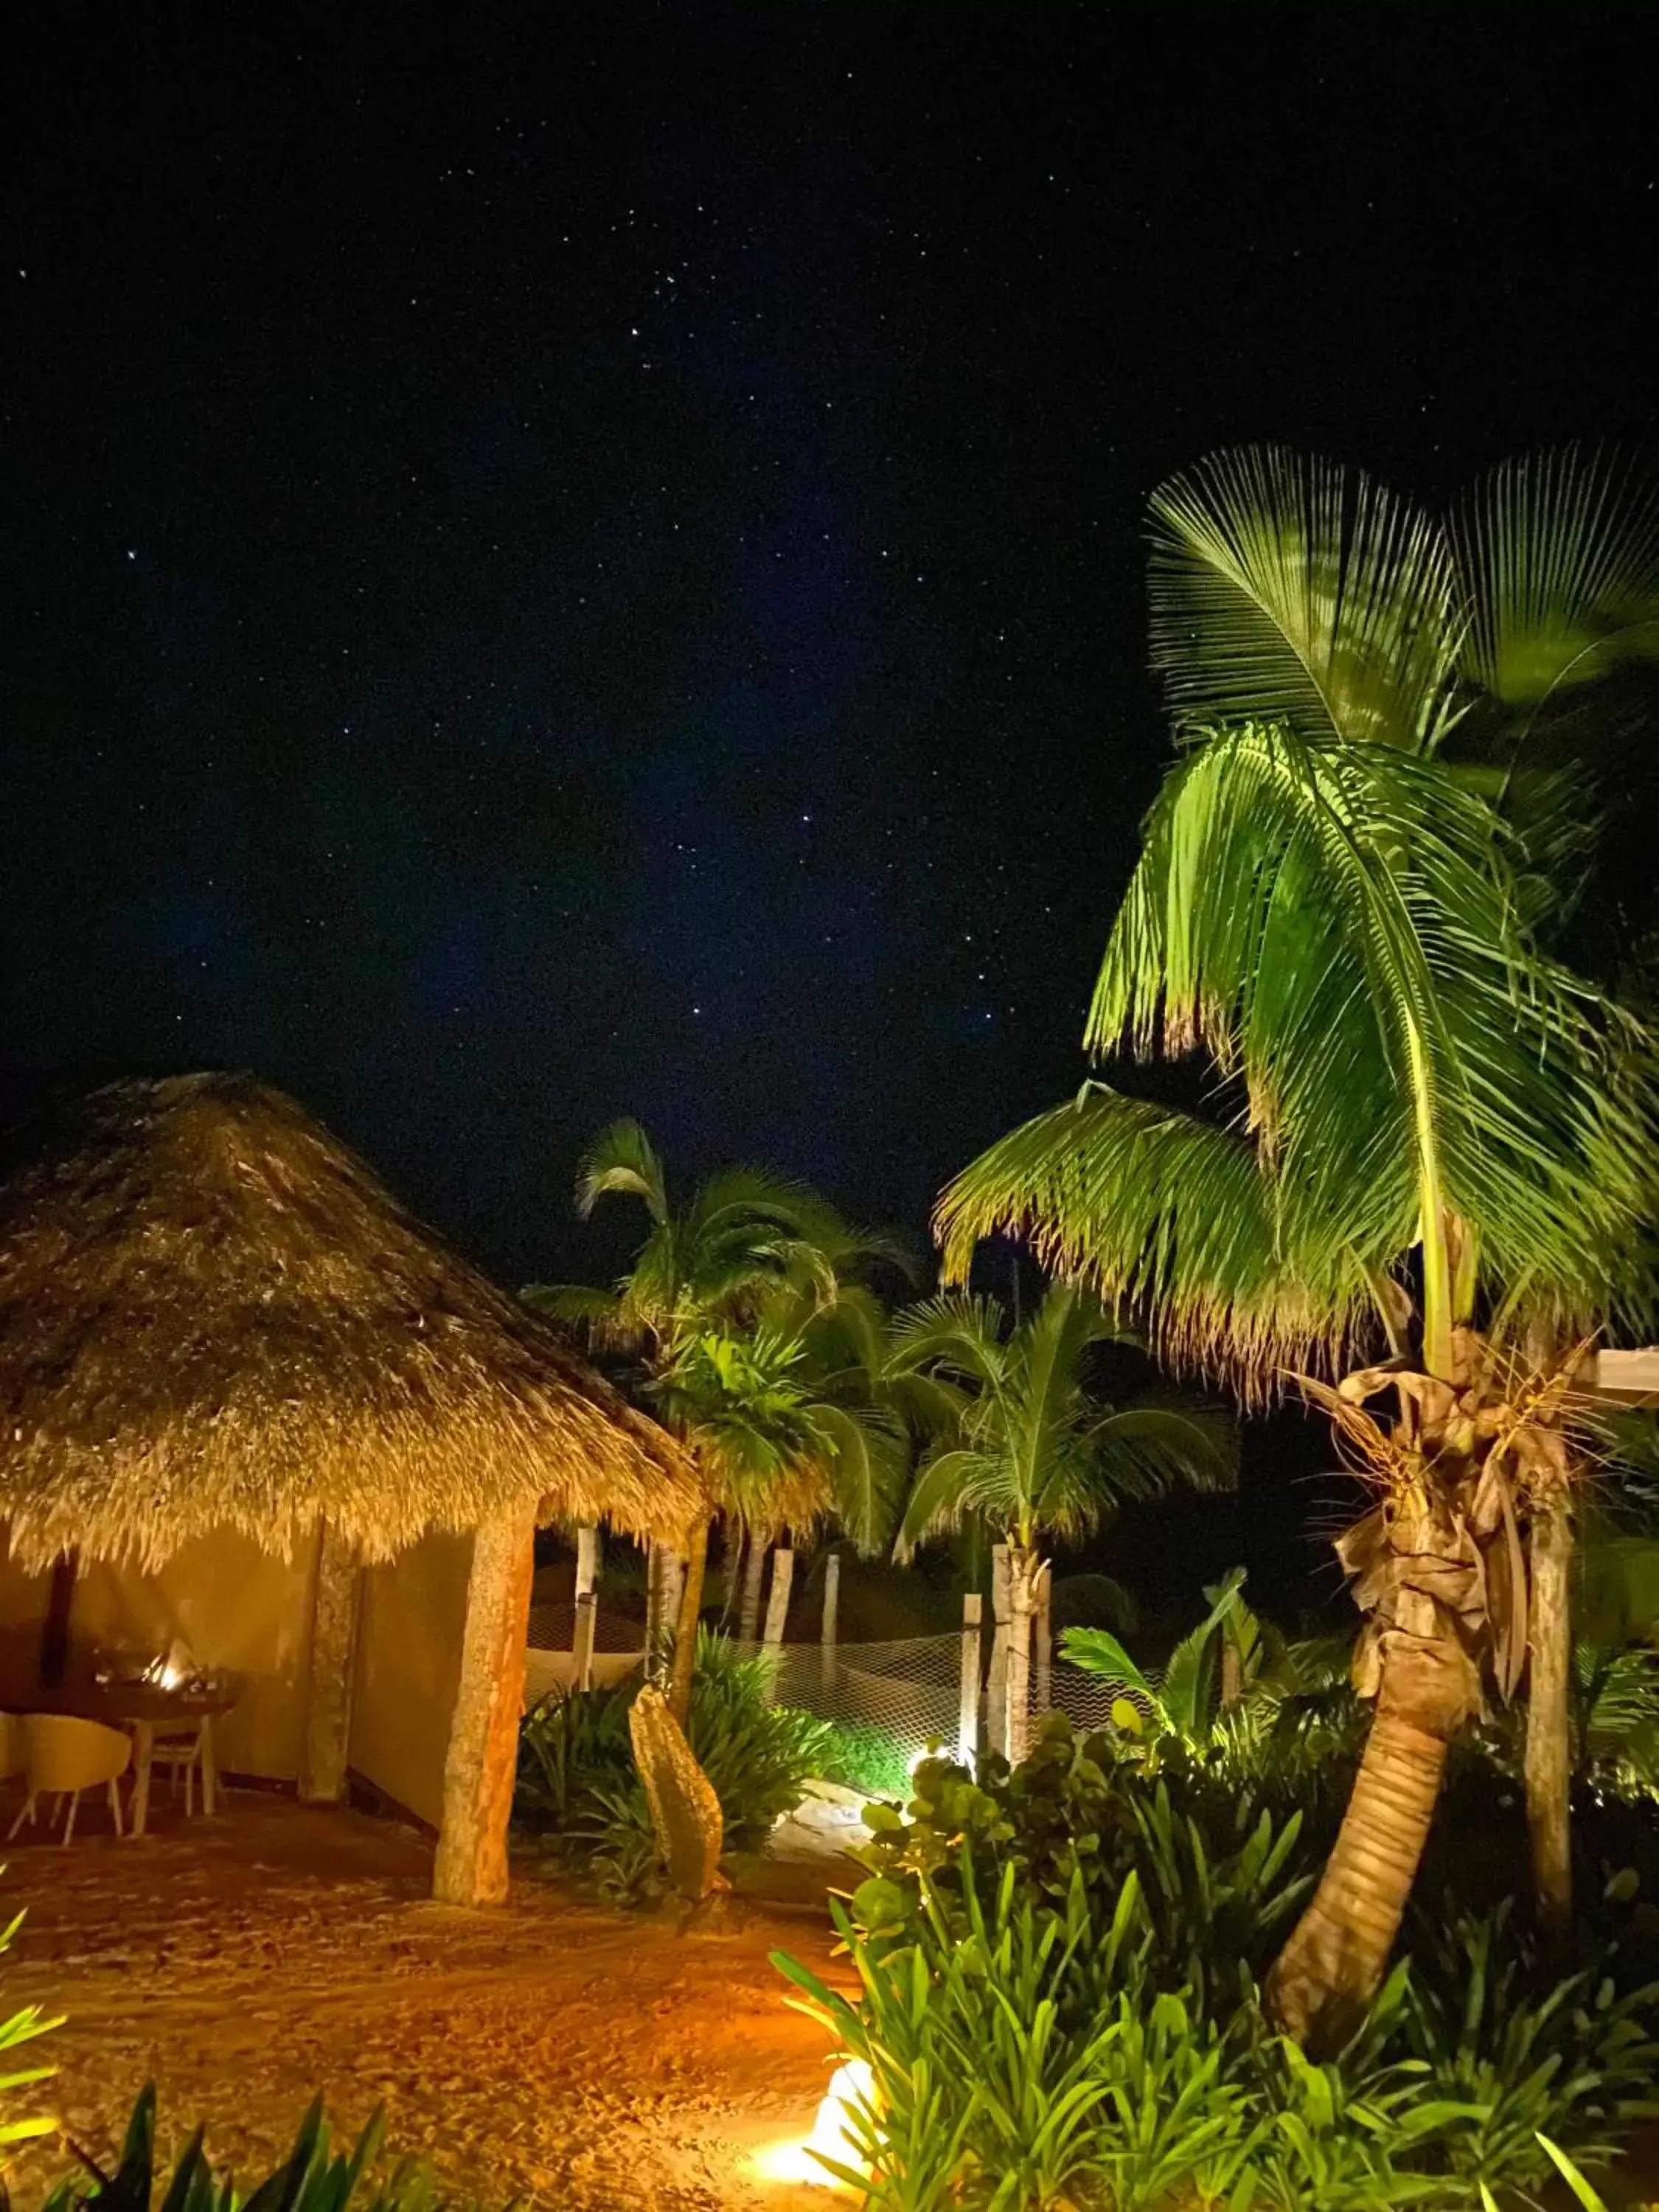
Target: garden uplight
<point>834,2136</point>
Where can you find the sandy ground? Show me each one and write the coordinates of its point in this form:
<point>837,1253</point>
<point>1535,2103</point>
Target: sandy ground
<point>550,2050</point>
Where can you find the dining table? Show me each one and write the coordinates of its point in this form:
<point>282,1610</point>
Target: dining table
<point>146,1709</point>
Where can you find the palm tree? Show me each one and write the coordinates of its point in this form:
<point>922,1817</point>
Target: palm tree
<point>1026,1448</point>
<point>721,1305</point>
<point>1428,1119</point>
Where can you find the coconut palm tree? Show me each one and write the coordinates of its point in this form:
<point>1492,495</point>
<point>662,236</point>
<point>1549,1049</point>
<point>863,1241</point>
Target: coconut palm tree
<point>1026,1447</point>
<point>720,1305</point>
<point>1430,1119</point>
<point>1520,640</point>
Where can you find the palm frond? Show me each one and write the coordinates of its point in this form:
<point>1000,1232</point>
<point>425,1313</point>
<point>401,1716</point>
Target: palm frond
<point>868,1457</point>
<point>953,1335</point>
<point>621,1158</point>
<point>1294,590</point>
<point>1141,1451</point>
<point>1098,1651</point>
<point>950,1484</point>
<point>1559,557</point>
<point>1337,925</point>
<point>1175,1220</point>
<point>598,1313</point>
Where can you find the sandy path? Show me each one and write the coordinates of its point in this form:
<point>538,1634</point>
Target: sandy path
<point>552,2051</point>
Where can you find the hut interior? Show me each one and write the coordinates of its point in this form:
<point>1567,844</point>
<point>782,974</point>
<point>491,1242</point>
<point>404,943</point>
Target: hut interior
<point>268,1415</point>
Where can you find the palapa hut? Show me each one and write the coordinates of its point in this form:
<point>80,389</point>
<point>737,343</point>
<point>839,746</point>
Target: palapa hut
<point>216,1323</point>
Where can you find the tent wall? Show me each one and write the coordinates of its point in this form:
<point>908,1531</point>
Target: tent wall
<point>230,1604</point>
<point>408,1664</point>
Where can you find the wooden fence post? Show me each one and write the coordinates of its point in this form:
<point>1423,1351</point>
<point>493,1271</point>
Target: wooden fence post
<point>581,1642</point>
<point>587,1560</point>
<point>777,1603</point>
<point>1045,1639</point>
<point>831,1607</point>
<point>968,1704</point>
<point>996,1715</point>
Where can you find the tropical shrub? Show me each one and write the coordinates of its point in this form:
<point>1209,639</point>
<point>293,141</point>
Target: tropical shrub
<point>861,1756</point>
<point>312,2178</point>
<point>1061,1969</point>
<point>22,2028</point>
<point>579,1788</point>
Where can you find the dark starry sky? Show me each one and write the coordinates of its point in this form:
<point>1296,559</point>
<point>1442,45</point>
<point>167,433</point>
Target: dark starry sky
<point>566,560</point>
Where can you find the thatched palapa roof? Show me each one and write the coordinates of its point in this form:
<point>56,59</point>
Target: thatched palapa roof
<point>212,1314</point>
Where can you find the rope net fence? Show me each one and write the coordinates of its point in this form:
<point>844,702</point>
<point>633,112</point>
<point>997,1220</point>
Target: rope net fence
<point>906,1695</point>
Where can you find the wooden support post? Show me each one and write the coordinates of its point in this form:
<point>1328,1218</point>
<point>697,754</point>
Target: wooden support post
<point>587,1561</point>
<point>55,1628</point>
<point>831,1609</point>
<point>968,1704</point>
<point>996,1695</point>
<point>754,1575</point>
<point>334,1619</point>
<point>483,1763</point>
<point>581,1642</point>
<point>777,1604</point>
<point>1045,1639</point>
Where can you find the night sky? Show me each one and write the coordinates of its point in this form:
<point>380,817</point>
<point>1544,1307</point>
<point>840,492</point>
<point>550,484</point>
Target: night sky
<point>584,559</point>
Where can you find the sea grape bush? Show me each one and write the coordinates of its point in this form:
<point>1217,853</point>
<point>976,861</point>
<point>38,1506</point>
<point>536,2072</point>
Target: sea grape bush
<point>1060,1970</point>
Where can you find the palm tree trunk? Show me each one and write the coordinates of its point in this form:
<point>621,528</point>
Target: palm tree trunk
<point>1338,1953</point>
<point>685,1635</point>
<point>1549,1731</point>
<point>1023,1568</point>
<point>754,1573</point>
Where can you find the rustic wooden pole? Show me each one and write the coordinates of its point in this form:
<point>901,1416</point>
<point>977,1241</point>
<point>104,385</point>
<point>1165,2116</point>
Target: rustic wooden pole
<point>996,1695</point>
<point>587,1561</point>
<point>334,1618</point>
<point>1045,1640</point>
<point>581,1642</point>
<point>55,1628</point>
<point>831,1609</point>
<point>1548,1759</point>
<point>754,1574</point>
<point>777,1604</point>
<point>483,1763</point>
<point>968,1704</point>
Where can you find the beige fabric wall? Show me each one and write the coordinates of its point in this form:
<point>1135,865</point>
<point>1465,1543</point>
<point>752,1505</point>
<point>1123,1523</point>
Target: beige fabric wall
<point>408,1668</point>
<point>230,1604</point>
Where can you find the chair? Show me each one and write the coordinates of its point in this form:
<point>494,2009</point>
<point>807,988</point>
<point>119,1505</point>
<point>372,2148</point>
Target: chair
<point>179,1750</point>
<point>64,1756</point>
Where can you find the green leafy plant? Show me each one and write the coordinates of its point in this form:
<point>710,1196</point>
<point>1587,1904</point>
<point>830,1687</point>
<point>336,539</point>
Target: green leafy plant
<point>1061,1968</point>
<point>861,1756</point>
<point>1574,2058</point>
<point>16,2034</point>
<point>313,2178</point>
<point>579,1788</point>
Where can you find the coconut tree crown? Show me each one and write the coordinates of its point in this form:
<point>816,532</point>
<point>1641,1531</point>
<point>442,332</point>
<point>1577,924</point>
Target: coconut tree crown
<point>1025,1443</point>
<point>1335,925</point>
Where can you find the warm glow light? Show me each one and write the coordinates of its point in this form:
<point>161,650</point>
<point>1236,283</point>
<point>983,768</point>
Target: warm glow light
<point>832,2135</point>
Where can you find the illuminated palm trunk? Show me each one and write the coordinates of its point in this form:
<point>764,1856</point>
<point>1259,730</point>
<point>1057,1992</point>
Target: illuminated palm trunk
<point>1549,1720</point>
<point>1023,1571</point>
<point>1335,1960</point>
<point>685,1633</point>
<point>1425,1688</point>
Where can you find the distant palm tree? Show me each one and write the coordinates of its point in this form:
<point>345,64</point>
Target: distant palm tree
<point>721,1305</point>
<point>1024,1446</point>
<point>1426,1119</point>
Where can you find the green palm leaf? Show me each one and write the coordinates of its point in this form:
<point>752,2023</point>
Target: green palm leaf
<point>1558,558</point>
<point>621,1158</point>
<point>1292,590</point>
